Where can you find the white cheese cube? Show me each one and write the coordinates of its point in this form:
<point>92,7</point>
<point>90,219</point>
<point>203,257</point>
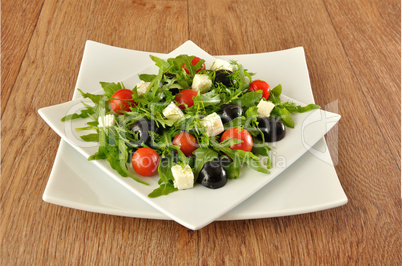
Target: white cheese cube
<point>220,64</point>
<point>172,112</point>
<point>265,108</point>
<point>201,83</point>
<point>106,121</point>
<point>183,177</point>
<point>213,124</point>
<point>142,87</point>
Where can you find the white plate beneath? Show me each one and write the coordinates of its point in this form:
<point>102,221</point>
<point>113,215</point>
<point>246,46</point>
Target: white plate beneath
<point>309,185</point>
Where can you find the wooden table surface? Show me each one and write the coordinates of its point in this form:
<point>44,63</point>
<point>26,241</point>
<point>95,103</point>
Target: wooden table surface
<point>353,51</point>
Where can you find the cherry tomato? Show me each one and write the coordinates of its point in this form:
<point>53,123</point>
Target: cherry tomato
<point>258,85</point>
<point>185,97</point>
<point>187,143</point>
<point>122,100</point>
<point>241,134</point>
<point>194,62</point>
<point>145,161</point>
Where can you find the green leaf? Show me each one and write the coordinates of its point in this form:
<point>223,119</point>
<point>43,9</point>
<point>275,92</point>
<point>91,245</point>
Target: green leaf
<point>261,148</point>
<point>232,171</point>
<point>178,62</point>
<point>249,98</point>
<point>206,99</point>
<point>293,108</point>
<point>160,62</point>
<point>164,189</point>
<point>94,137</point>
<point>83,114</point>
<point>147,77</point>
<point>203,155</point>
<point>239,156</point>
<point>277,91</point>
<point>110,88</point>
<point>164,168</point>
<point>284,115</point>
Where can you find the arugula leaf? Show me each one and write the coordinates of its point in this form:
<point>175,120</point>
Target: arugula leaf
<point>232,171</point>
<point>249,98</point>
<point>277,91</point>
<point>147,77</point>
<point>203,155</point>
<point>83,114</point>
<point>275,94</point>
<point>163,189</point>
<point>284,115</point>
<point>94,137</point>
<point>206,99</point>
<point>293,108</point>
<point>159,62</point>
<point>261,148</point>
<point>166,176</point>
<point>239,156</point>
<point>187,61</point>
<point>110,88</point>
<point>284,110</point>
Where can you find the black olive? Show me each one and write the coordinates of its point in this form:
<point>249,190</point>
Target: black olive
<point>141,128</point>
<point>169,75</point>
<point>231,111</point>
<point>212,175</point>
<point>223,76</point>
<point>166,76</point>
<point>272,128</point>
<point>174,91</point>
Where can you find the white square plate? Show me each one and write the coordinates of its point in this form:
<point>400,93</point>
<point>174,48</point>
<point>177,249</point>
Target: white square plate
<point>76,183</point>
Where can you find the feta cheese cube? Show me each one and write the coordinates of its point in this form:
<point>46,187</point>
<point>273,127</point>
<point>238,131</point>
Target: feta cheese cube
<point>183,176</point>
<point>221,64</point>
<point>106,121</point>
<point>142,87</point>
<point>213,124</point>
<point>265,108</point>
<point>201,83</point>
<point>172,112</point>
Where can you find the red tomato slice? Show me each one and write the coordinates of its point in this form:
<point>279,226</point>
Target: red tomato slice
<point>241,134</point>
<point>122,100</point>
<point>185,97</point>
<point>194,62</point>
<point>257,85</point>
<point>187,143</point>
<point>145,161</point>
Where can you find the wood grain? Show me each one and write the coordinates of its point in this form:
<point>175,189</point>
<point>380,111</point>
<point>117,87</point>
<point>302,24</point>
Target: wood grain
<point>353,54</point>
<point>372,182</point>
<point>16,32</point>
<point>378,72</point>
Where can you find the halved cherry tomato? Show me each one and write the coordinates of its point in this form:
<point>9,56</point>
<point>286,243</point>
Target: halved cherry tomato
<point>145,161</point>
<point>241,134</point>
<point>194,62</point>
<point>187,143</point>
<point>257,85</point>
<point>122,100</point>
<point>185,97</point>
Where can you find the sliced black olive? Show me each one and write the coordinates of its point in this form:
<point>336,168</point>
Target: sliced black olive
<point>141,128</point>
<point>272,128</point>
<point>223,76</point>
<point>212,175</point>
<point>169,75</point>
<point>230,112</point>
<point>166,76</point>
<point>174,91</point>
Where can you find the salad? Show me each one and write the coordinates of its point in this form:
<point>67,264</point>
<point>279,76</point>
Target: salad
<point>188,123</point>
